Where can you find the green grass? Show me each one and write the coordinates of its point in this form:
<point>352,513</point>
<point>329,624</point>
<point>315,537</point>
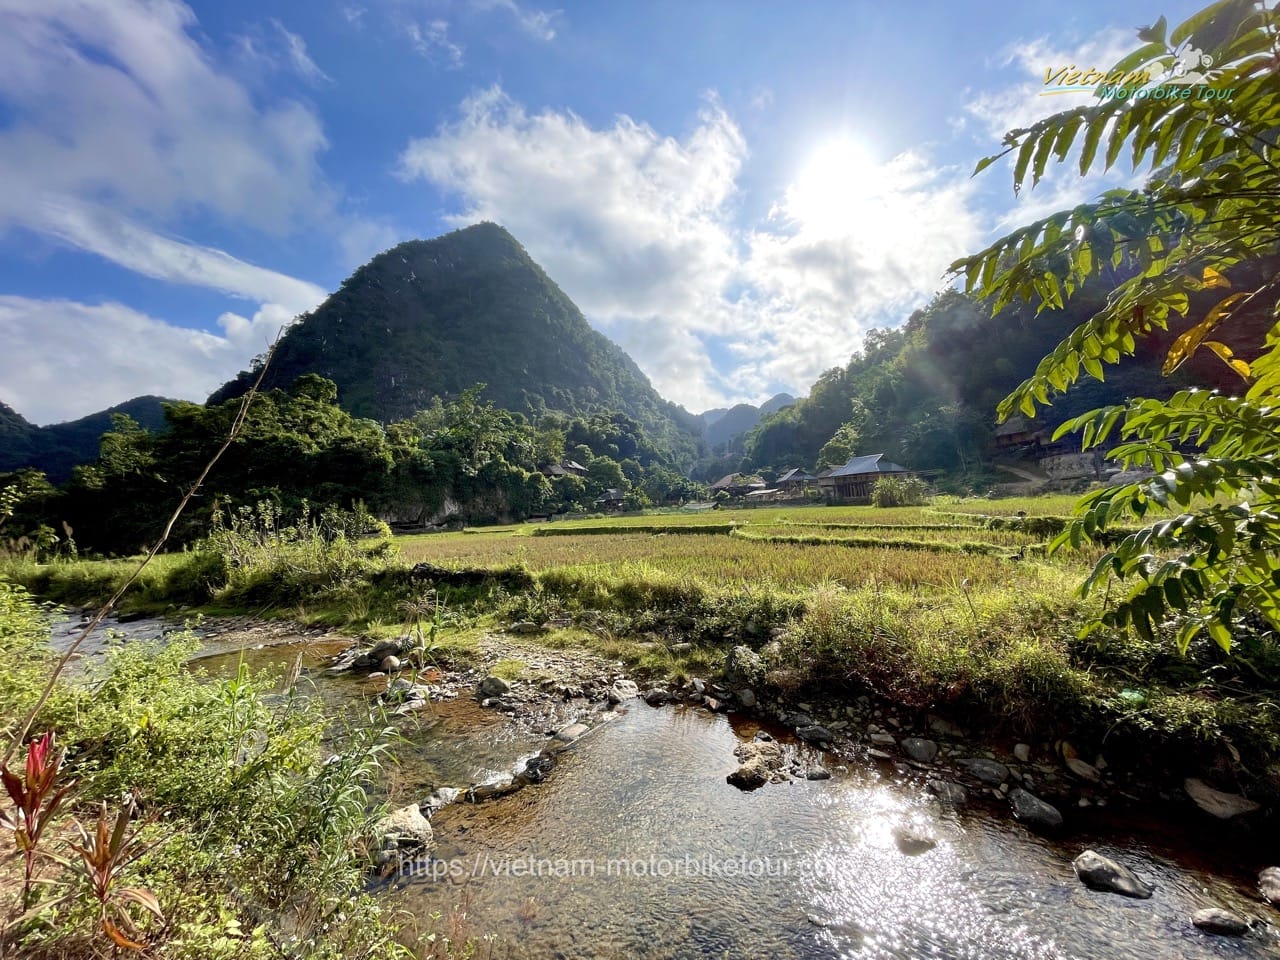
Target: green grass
<point>949,606</point>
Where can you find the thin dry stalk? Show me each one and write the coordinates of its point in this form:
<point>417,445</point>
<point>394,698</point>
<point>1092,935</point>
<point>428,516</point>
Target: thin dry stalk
<point>236,426</point>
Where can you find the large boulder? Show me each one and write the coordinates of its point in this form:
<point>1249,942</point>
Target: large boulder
<point>1221,922</point>
<point>492,686</point>
<point>923,751</point>
<point>1222,805</point>
<point>1033,811</point>
<point>1102,873</point>
<point>762,762</point>
<point>992,772</point>
<point>405,828</point>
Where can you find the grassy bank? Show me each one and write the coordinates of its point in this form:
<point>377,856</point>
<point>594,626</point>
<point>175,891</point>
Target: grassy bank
<point>949,607</point>
<point>248,833</point>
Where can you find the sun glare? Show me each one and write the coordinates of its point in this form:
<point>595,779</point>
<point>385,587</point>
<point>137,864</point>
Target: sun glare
<point>836,189</point>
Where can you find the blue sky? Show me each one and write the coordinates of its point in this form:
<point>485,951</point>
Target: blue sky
<point>733,191</point>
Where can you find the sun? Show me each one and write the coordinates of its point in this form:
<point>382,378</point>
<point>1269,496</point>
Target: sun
<point>837,188</point>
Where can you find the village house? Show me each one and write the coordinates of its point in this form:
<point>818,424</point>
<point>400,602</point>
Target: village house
<point>795,482</point>
<point>564,467</point>
<point>853,481</point>
<point>738,484</point>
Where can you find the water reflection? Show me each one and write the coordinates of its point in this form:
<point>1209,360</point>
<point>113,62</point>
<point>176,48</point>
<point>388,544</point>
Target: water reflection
<point>820,868</point>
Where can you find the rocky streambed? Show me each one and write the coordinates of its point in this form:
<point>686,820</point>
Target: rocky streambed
<point>566,810</point>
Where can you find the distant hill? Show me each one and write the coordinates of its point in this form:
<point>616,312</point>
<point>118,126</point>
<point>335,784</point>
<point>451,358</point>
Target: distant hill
<point>433,317</point>
<point>722,426</point>
<point>59,447</point>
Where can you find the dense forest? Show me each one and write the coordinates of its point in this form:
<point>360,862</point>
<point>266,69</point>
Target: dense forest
<point>925,394</point>
<point>463,460</point>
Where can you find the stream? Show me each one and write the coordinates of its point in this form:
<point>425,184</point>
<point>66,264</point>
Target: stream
<point>636,847</point>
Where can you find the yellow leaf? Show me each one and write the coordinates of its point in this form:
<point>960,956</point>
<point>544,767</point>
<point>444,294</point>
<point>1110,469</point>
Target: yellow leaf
<point>1189,342</point>
<point>1212,278</point>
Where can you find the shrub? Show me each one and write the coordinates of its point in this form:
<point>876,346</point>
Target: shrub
<point>899,492</point>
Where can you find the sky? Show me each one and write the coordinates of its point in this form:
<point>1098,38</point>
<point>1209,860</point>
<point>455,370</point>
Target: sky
<point>733,191</point>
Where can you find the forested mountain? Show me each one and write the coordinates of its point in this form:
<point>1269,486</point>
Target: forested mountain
<point>723,426</point>
<point>925,394</point>
<point>431,318</point>
<point>59,447</point>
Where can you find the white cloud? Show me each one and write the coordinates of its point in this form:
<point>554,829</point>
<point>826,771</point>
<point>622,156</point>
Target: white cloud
<point>537,23</point>
<point>144,251</point>
<point>115,102</point>
<point>641,231</point>
<point>299,59</point>
<point>1021,104</point>
<point>66,359</point>
<point>431,40</point>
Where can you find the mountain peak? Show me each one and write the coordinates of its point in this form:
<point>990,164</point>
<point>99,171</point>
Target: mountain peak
<point>431,318</point>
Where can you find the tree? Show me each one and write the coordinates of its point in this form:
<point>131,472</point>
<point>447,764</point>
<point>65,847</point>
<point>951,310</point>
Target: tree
<point>1198,241</point>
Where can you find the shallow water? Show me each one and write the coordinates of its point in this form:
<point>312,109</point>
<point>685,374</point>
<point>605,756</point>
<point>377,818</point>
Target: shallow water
<point>648,793</point>
<point>636,847</point>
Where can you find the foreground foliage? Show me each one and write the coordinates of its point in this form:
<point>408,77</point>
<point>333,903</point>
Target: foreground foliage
<point>1200,241</point>
<point>248,839</point>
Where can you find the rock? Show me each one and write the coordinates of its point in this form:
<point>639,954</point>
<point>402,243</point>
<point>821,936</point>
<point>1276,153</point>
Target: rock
<point>992,772</point>
<point>762,762</point>
<point>572,732</point>
<point>1217,803</point>
<point>1083,770</point>
<point>912,841</point>
<point>681,647</point>
<point>948,792</point>
<point>749,776</point>
<point>918,749</point>
<point>883,739</point>
<point>1269,885</point>
<point>492,686</point>
<point>439,799</point>
<point>657,696</point>
<point>699,686</point>
<point>1033,811</point>
<point>622,691</point>
<point>492,790</point>
<point>524,627</point>
<point>1100,873</point>
<point>943,727</point>
<point>817,773</point>
<point>406,827</point>
<point>383,649</point>
<point>746,698</point>
<point>743,667</point>
<point>391,664</point>
<point>1220,922</point>
<point>712,704</point>
<point>535,769</point>
<point>1022,752</point>
<point>814,733</point>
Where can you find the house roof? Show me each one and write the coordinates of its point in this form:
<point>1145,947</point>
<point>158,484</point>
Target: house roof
<point>613,493</point>
<point>795,474</point>
<point>572,465</point>
<point>554,470</point>
<point>1015,424</point>
<point>728,480</point>
<point>873,463</point>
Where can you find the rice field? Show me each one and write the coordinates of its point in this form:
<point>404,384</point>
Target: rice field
<point>792,550</point>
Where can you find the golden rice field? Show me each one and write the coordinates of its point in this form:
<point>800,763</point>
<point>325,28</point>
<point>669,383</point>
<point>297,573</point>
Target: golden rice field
<point>925,555</point>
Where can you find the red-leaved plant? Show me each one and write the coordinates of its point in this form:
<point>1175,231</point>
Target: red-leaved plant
<point>36,796</point>
<point>104,853</point>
